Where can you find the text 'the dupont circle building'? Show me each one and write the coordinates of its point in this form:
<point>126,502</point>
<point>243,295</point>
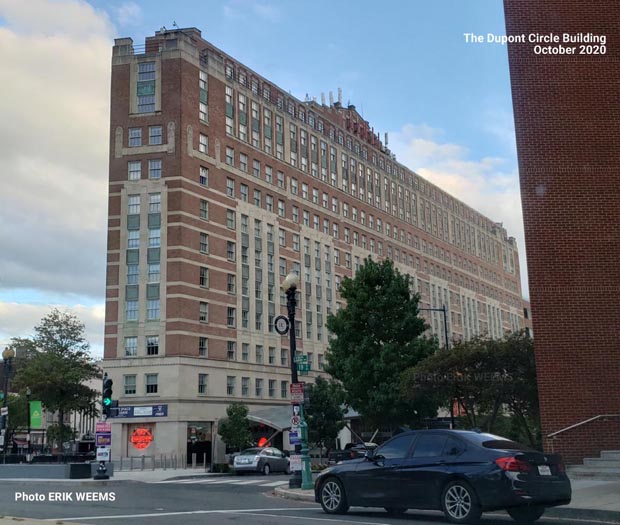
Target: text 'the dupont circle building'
<point>220,184</point>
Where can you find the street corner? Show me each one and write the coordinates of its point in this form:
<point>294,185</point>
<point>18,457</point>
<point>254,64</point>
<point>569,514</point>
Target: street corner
<point>294,494</point>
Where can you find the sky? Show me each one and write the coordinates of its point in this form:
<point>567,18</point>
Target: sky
<point>445,104</point>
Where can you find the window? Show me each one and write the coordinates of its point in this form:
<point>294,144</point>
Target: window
<point>245,386</point>
<point>230,187</point>
<point>282,237</point>
<point>281,209</point>
<point>272,388</point>
<point>152,345</point>
<point>129,385</point>
<point>152,309</point>
<point>202,383</point>
<point>269,202</point>
<point>133,204</point>
<point>134,170</point>
<point>272,355</point>
<point>269,174</point>
<point>203,177</point>
<point>203,347</point>
<point>294,187</point>
<point>133,239</point>
<point>154,275</point>
<point>230,251</point>
<point>256,168</point>
<point>230,385</point>
<point>155,135</point>
<point>146,87</point>
<point>230,219</point>
<point>280,179</point>
<point>133,273</point>
<point>429,446</point>
<point>135,137</point>
<point>204,277</point>
<point>244,191</point>
<point>131,346</point>
<point>258,383</point>
<point>284,357</point>
<point>243,162</point>
<point>283,389</point>
<point>131,311</point>
<point>259,354</point>
<point>231,350</point>
<point>396,448</point>
<point>154,238</point>
<point>204,312</point>
<point>245,352</point>
<point>231,317</point>
<point>155,203</point>
<point>151,383</point>
<point>230,156</point>
<point>204,243</point>
<point>296,242</point>
<point>204,210</point>
<point>203,144</point>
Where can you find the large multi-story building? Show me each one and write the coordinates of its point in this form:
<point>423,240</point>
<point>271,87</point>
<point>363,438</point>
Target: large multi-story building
<point>220,184</point>
<point>568,128</point>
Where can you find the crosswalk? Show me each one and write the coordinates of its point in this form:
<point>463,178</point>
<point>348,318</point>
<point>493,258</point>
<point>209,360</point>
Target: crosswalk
<point>224,481</point>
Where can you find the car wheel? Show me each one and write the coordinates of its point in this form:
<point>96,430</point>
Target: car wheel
<point>266,469</point>
<point>526,514</point>
<point>395,511</point>
<point>459,503</point>
<point>332,496</point>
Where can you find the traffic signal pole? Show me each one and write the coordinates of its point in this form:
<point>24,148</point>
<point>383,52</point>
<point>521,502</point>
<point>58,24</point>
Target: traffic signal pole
<point>106,410</point>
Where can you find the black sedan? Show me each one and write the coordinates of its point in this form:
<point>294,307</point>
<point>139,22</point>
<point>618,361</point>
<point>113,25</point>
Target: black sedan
<point>462,473</point>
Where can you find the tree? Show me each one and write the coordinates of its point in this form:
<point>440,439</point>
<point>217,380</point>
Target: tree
<point>18,415</point>
<point>488,378</point>
<point>325,412</point>
<point>235,429</point>
<point>57,372</point>
<point>376,337</point>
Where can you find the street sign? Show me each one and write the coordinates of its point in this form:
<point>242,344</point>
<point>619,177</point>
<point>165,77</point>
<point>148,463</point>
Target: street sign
<point>303,367</point>
<point>301,359</point>
<point>295,421</point>
<point>297,393</point>
<point>294,438</point>
<point>103,439</point>
<point>103,427</point>
<point>295,463</point>
<point>4,411</point>
<point>103,454</point>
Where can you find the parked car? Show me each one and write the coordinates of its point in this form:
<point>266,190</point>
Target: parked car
<point>265,460</point>
<point>462,473</point>
<point>352,452</point>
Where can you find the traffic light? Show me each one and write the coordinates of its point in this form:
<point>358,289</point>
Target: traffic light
<point>106,401</point>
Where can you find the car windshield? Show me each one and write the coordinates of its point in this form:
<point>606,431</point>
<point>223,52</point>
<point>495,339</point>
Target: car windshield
<point>251,452</point>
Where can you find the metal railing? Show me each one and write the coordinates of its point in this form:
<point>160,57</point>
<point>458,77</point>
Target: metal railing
<point>163,462</point>
<point>555,434</point>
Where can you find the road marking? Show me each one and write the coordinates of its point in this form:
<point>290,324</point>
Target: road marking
<point>252,513</point>
<point>182,513</point>
<point>274,484</point>
<point>250,482</point>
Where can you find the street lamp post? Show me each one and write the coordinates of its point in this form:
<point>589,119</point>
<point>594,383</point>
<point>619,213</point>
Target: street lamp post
<point>301,479</point>
<point>444,310</point>
<point>7,356</point>
<point>29,450</point>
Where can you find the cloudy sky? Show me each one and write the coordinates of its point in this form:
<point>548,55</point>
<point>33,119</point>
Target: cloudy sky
<point>405,65</point>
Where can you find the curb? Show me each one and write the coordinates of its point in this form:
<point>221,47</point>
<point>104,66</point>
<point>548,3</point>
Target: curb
<point>13,520</point>
<point>609,516</point>
<point>307,496</point>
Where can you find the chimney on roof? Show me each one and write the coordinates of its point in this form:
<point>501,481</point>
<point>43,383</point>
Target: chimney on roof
<point>340,96</point>
<point>331,98</point>
<point>386,138</point>
<point>322,98</point>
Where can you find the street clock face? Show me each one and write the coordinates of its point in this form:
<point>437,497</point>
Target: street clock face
<point>281,324</point>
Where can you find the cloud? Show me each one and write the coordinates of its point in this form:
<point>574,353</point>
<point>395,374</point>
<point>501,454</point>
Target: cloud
<point>267,12</point>
<point>54,146</point>
<point>488,184</point>
<point>127,14</point>
<point>19,320</point>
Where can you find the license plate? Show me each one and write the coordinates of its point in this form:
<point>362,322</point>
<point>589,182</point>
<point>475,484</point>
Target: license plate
<point>544,470</point>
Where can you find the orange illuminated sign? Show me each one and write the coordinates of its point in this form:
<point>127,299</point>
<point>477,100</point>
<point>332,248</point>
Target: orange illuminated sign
<point>141,438</point>
<point>262,442</point>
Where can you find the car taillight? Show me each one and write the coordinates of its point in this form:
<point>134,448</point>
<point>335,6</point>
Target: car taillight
<point>513,465</point>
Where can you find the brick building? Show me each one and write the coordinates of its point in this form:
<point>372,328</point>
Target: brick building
<point>220,184</point>
<point>568,128</point>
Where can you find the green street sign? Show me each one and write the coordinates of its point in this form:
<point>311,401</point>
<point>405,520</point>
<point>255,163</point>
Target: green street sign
<point>303,372</point>
<point>301,359</point>
<point>36,414</point>
<point>303,367</point>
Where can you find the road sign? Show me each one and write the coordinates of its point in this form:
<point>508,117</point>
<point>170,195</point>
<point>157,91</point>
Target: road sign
<point>103,454</point>
<point>4,411</point>
<point>297,393</point>
<point>294,438</point>
<point>301,359</point>
<point>295,421</point>
<point>103,427</point>
<point>103,439</point>
<point>295,463</point>
<point>303,367</point>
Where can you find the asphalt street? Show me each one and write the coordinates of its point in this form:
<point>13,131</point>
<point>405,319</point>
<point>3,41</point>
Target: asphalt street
<point>246,500</point>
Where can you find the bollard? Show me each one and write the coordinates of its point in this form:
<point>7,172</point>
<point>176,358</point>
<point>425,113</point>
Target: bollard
<point>121,467</point>
<point>130,462</point>
<point>162,461</point>
<point>153,462</point>
<point>204,461</point>
<point>194,460</point>
<point>142,461</point>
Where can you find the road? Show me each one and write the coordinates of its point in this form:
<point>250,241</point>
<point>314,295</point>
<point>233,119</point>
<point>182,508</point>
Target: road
<point>227,500</point>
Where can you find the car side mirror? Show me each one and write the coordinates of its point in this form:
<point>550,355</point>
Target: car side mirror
<point>378,460</point>
<point>369,455</point>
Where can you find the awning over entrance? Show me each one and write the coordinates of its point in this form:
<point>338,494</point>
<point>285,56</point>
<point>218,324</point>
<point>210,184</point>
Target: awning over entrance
<point>278,417</point>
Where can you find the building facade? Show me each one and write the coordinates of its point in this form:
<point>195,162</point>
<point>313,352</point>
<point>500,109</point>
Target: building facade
<point>220,184</point>
<point>567,127</point>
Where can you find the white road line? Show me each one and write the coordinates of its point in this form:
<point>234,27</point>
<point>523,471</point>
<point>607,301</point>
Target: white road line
<point>274,484</point>
<point>182,513</point>
<point>249,482</point>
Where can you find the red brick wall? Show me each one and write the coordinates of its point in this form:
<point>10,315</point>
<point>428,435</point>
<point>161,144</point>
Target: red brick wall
<point>567,118</point>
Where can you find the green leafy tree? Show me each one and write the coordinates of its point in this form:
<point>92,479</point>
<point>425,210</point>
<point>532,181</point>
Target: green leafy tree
<point>235,429</point>
<point>325,412</point>
<point>58,370</point>
<point>18,415</point>
<point>488,378</point>
<point>375,338</point>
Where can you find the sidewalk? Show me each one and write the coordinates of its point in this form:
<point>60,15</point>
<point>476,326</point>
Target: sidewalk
<point>592,500</point>
<point>7,520</point>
